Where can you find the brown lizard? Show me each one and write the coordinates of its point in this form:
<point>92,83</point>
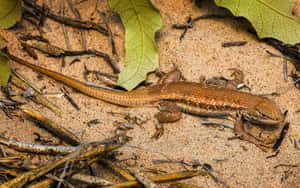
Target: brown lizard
<point>194,98</point>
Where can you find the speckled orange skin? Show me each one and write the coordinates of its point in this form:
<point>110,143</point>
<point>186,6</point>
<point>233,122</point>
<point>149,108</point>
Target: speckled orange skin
<point>193,97</point>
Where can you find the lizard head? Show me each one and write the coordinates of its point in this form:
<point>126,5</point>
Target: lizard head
<point>268,112</point>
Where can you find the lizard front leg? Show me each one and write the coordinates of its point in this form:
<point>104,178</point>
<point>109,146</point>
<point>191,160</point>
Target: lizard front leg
<point>168,111</point>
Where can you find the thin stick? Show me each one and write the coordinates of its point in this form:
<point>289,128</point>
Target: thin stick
<point>66,20</point>
<point>59,52</point>
<point>69,98</point>
<point>117,169</point>
<point>58,130</point>
<point>36,148</point>
<point>91,179</point>
<point>77,16</point>
<point>190,22</point>
<point>163,178</point>
<point>62,13</point>
<point>20,82</point>
<point>21,180</point>
<point>204,122</point>
<point>285,71</point>
<point>94,155</point>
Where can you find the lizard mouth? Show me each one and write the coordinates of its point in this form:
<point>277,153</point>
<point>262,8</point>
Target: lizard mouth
<point>266,121</point>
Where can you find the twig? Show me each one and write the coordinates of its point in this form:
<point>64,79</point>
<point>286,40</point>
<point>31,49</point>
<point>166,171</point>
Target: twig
<point>204,122</point>
<point>9,105</point>
<point>117,169</point>
<point>284,62</point>
<point>100,86</point>
<point>163,178</point>
<point>64,182</point>
<point>61,179</point>
<point>182,185</point>
<point>36,20</point>
<point>108,79</point>
<point>142,178</point>
<point>69,98</point>
<point>21,180</point>
<point>74,61</point>
<point>99,73</point>
<point>273,155</point>
<point>235,43</point>
<point>208,168</point>
<point>285,69</point>
<point>28,83</point>
<point>92,155</point>
<point>3,153</point>
<point>33,37</point>
<point>29,50</point>
<point>220,160</point>
<point>285,165</point>
<point>171,161</point>
<point>62,12</point>
<point>110,36</point>
<point>20,82</point>
<point>58,130</point>
<point>94,180</point>
<point>294,142</point>
<point>59,52</point>
<point>288,50</point>
<point>77,16</point>
<point>186,26</point>
<point>95,9</point>
<point>90,151</point>
<point>190,22</point>
<point>36,148</point>
<point>93,122</point>
<point>296,78</point>
<point>66,20</point>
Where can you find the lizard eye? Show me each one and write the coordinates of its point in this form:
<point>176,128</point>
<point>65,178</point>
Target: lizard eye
<point>269,110</point>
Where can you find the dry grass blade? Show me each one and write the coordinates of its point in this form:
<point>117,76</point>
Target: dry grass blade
<point>142,178</point>
<point>21,180</point>
<point>20,82</point>
<point>60,131</point>
<point>117,169</point>
<point>91,156</point>
<point>164,178</point>
<point>86,152</point>
<point>36,148</point>
<point>94,180</point>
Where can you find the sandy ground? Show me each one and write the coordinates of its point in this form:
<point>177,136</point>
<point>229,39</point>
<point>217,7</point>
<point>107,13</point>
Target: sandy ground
<point>199,54</point>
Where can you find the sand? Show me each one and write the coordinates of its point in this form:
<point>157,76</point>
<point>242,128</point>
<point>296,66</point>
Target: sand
<point>199,53</point>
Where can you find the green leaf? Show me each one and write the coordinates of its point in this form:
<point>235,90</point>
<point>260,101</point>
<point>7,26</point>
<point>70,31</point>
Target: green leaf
<point>270,18</point>
<point>4,69</point>
<point>10,12</point>
<point>141,20</point>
